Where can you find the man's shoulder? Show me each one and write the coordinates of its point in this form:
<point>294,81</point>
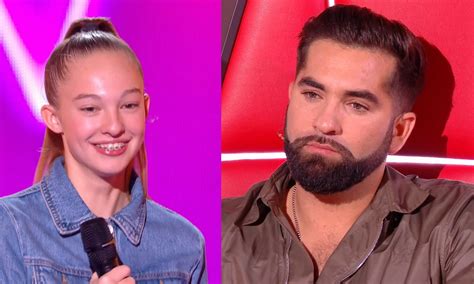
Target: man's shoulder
<point>450,202</point>
<point>438,190</point>
<point>444,188</point>
<point>448,213</point>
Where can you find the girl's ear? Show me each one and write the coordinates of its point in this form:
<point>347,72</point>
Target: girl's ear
<point>51,119</point>
<point>147,104</point>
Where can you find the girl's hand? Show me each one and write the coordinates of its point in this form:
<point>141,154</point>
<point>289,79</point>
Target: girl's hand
<point>119,275</point>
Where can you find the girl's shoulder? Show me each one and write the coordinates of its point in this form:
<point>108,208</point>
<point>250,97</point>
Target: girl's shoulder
<point>26,199</point>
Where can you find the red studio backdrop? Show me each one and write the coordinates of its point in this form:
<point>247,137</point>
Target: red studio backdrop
<point>262,64</point>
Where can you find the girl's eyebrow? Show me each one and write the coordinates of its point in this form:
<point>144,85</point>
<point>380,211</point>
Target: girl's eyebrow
<point>131,91</point>
<point>86,96</point>
<point>97,97</point>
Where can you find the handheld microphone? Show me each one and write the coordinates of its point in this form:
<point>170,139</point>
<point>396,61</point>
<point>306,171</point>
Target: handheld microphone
<point>99,245</point>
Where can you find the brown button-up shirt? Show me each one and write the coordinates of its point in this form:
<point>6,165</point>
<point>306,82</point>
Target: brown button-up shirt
<point>414,231</point>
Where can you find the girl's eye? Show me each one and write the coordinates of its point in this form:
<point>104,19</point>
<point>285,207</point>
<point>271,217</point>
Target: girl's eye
<point>130,106</point>
<point>89,109</point>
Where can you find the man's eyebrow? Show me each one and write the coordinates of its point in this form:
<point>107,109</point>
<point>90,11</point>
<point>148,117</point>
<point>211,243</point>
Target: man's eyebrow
<point>310,82</point>
<point>366,95</point>
<point>97,97</point>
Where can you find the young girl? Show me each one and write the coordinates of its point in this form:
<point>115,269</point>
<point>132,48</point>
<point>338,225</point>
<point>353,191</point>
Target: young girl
<point>93,164</point>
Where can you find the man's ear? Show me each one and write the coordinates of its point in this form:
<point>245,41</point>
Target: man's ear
<point>51,119</point>
<point>402,129</point>
<point>147,104</point>
<point>290,88</point>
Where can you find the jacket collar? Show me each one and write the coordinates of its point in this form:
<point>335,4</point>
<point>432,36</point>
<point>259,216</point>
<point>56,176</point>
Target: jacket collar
<point>396,193</point>
<point>68,210</point>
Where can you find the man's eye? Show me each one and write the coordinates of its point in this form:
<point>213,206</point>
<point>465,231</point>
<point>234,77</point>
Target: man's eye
<point>358,107</point>
<point>311,95</point>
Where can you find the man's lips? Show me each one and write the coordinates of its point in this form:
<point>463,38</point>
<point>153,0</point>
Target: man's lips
<point>315,146</point>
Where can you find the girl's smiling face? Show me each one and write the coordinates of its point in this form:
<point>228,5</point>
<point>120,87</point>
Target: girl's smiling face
<point>100,113</point>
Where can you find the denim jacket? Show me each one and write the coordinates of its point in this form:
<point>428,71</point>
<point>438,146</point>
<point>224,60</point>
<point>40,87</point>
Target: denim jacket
<point>40,240</point>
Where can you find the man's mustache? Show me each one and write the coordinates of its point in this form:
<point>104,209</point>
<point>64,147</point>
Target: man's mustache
<point>302,141</point>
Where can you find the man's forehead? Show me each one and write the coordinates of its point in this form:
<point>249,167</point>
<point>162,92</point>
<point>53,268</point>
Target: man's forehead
<point>369,65</point>
<point>349,71</point>
<point>329,46</point>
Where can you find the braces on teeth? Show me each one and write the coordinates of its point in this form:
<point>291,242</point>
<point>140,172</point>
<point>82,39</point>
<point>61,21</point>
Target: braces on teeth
<point>111,147</point>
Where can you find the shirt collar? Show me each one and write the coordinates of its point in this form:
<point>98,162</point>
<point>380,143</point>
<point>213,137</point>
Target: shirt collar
<point>270,195</point>
<point>68,210</point>
<point>397,193</point>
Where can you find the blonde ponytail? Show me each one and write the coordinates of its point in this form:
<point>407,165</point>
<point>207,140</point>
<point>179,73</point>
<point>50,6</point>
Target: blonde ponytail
<point>52,148</point>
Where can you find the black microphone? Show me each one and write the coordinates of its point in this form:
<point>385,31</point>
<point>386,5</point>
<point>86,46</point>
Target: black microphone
<point>99,245</point>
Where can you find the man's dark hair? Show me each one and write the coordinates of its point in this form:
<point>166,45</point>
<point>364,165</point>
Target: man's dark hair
<point>360,27</point>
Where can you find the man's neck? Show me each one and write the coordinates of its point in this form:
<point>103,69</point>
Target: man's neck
<point>323,220</point>
<point>347,204</point>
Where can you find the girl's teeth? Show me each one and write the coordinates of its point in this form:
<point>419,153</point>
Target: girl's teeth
<point>111,147</point>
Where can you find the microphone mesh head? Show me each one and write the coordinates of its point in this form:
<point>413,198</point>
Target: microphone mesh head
<point>95,233</point>
<point>99,245</point>
<point>104,260</point>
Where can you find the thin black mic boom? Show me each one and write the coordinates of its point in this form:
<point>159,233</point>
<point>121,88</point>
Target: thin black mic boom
<point>99,245</point>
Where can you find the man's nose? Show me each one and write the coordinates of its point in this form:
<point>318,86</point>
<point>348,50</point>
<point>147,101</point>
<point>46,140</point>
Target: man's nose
<point>327,120</point>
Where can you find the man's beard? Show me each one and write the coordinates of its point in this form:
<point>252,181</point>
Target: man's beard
<point>320,175</point>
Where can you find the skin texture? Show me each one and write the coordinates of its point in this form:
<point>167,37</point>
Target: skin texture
<point>100,101</point>
<point>342,94</point>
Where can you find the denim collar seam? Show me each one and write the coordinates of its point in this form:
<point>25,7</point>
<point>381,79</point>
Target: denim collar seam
<point>64,227</point>
<point>35,261</point>
<point>165,275</point>
<point>132,232</point>
<point>51,208</point>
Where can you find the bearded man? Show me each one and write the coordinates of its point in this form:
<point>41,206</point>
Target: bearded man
<point>335,212</point>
